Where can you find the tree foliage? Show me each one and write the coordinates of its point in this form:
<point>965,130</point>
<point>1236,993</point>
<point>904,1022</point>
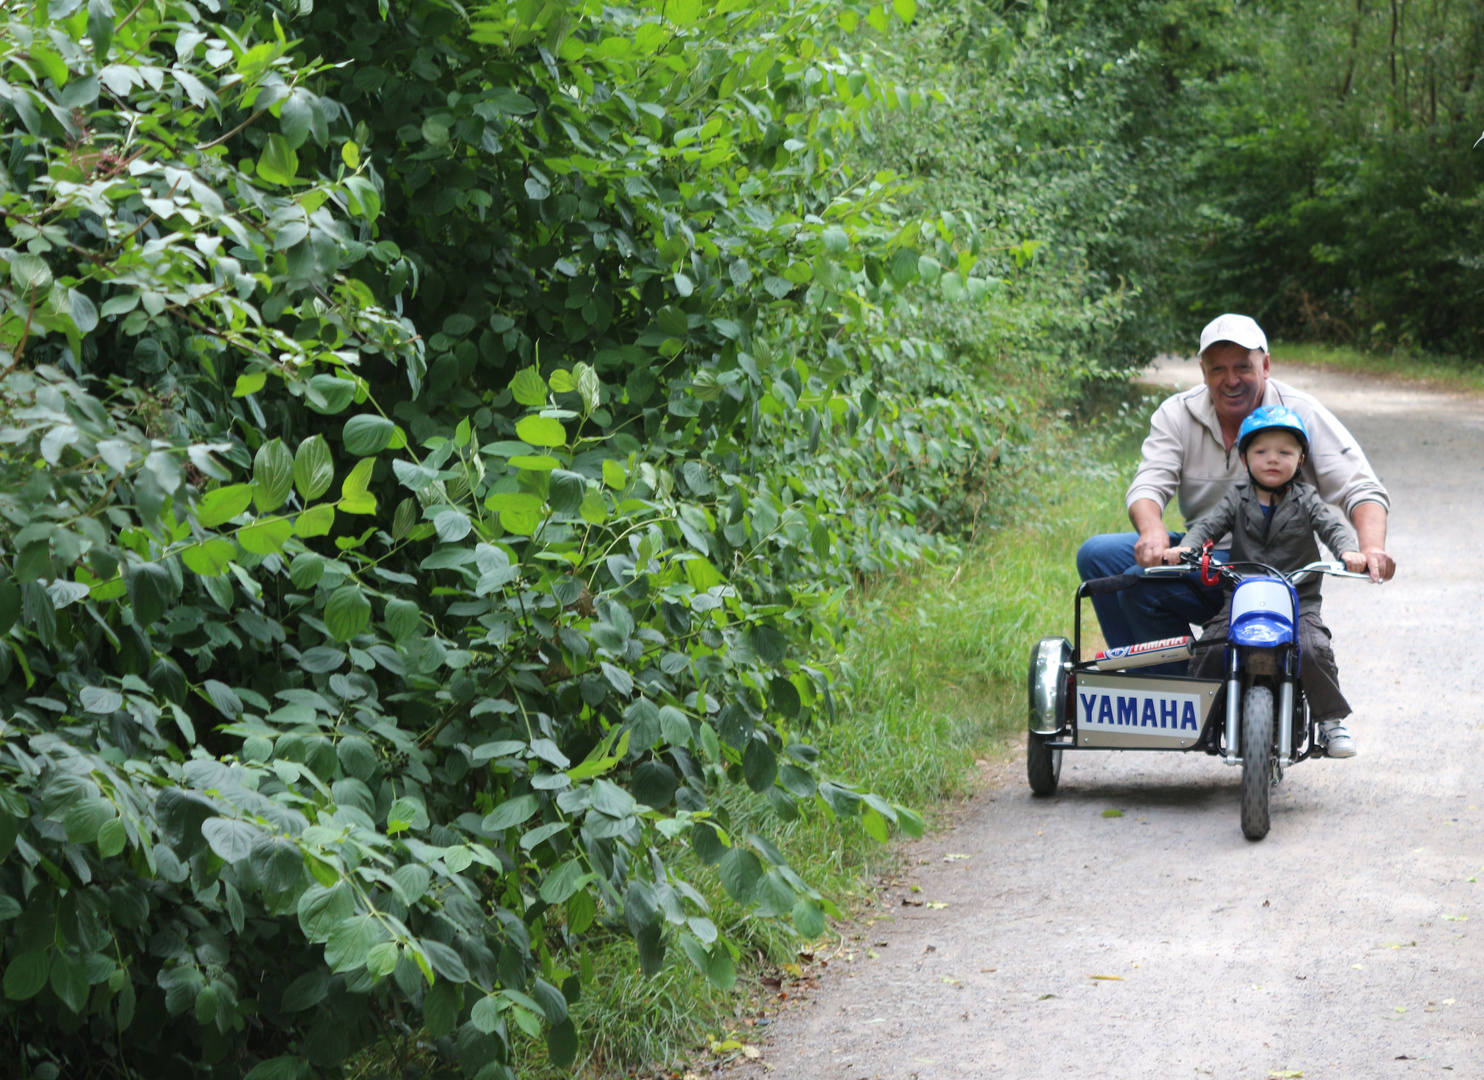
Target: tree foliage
<point>1336,182</point>
<point>436,444</point>
<point>1067,129</point>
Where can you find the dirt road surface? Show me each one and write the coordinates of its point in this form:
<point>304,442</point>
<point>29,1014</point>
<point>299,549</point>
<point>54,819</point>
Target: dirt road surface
<point>1348,944</point>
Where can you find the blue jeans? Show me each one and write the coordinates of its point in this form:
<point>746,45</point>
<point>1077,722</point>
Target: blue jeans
<point>1160,609</point>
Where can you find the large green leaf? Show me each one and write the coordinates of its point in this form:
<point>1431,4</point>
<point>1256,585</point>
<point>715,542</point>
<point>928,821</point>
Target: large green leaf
<point>350,942</point>
<point>329,394</point>
<point>509,813</point>
<point>541,431</point>
<point>314,470</point>
<point>278,163</point>
<point>316,521</point>
<point>297,118</point>
<point>209,558</point>
<point>151,590</point>
<point>30,275</point>
<point>808,919</point>
<point>347,613</point>
<point>267,537</point>
<point>355,489</point>
<point>441,1008</point>
<point>26,974</point>
<point>367,435</point>
<point>528,388</point>
<point>721,970</point>
<point>272,475</point>
<point>231,838</point>
<point>740,873</point>
<point>403,617</point>
<point>759,765</point>
<point>69,980</point>
<point>561,1043</point>
<point>222,504</point>
<point>307,991</point>
<point>321,909</point>
<point>565,880</point>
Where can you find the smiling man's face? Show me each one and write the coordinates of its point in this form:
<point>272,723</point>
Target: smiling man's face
<point>1237,377</point>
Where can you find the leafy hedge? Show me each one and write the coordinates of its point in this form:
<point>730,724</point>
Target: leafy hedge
<point>434,448</point>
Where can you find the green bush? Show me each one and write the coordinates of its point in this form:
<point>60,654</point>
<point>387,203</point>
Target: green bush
<point>436,444</point>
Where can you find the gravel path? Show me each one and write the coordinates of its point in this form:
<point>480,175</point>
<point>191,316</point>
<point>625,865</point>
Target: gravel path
<point>1348,944</point>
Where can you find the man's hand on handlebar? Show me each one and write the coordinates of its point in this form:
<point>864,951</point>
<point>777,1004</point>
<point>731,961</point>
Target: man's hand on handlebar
<point>1378,563</point>
<point>1150,548</point>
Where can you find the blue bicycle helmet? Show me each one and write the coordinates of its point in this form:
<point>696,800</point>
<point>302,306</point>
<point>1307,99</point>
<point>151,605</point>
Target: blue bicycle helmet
<point>1268,418</point>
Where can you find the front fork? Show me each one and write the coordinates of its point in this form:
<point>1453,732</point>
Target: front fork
<point>1287,678</point>
<point>1233,707</point>
<point>1286,685</point>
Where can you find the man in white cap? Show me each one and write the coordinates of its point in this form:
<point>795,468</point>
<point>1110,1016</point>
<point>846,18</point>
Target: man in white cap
<point>1191,453</point>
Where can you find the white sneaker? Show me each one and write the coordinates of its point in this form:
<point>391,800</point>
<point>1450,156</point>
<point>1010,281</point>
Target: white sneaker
<point>1337,740</point>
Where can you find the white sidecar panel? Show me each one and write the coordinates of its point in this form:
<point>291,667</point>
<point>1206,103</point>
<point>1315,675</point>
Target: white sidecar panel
<point>1141,713</point>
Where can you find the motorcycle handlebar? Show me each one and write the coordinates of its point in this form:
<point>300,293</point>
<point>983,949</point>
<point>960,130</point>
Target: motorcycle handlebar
<point>1191,560</point>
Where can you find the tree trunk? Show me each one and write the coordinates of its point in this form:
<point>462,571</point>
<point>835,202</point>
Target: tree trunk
<point>1354,47</point>
<point>1395,19</point>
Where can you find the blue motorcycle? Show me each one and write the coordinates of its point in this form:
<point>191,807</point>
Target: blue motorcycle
<point>1255,716</point>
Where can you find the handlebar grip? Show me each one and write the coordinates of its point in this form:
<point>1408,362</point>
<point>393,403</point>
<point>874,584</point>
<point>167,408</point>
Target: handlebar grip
<point>1103,585</point>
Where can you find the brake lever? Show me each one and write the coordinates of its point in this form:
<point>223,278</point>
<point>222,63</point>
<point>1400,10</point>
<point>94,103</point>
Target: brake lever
<point>1208,579</point>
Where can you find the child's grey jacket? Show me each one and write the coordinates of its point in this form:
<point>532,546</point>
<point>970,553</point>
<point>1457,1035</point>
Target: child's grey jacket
<point>1284,541</point>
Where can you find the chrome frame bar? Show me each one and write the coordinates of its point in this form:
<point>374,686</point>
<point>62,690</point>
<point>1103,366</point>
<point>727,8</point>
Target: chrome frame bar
<point>1233,710</point>
<point>1285,722</point>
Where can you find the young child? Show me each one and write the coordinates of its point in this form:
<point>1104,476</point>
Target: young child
<point>1272,518</point>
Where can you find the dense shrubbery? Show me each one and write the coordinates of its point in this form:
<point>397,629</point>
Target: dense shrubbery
<point>435,449</point>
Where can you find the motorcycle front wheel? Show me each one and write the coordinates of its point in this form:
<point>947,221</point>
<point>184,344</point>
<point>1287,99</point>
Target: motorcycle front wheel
<point>1257,760</point>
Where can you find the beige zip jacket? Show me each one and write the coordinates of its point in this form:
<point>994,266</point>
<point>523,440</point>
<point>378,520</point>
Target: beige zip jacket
<point>1185,455</point>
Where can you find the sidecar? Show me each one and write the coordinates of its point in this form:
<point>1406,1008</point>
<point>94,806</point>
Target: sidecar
<point>1109,701</point>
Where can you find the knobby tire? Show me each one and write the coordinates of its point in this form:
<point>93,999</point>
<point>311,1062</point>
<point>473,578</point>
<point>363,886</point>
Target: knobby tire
<point>1257,760</point>
<point>1042,764</point>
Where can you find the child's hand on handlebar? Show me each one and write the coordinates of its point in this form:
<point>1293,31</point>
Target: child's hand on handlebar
<point>1354,562</point>
<point>1175,554</point>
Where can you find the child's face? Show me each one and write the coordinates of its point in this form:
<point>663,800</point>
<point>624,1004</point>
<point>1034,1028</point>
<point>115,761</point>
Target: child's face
<point>1273,457</point>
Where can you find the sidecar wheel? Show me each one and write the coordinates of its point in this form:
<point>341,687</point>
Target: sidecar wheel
<point>1257,760</point>
<point>1042,764</point>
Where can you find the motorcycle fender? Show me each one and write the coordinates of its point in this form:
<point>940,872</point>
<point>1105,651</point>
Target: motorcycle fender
<point>1047,685</point>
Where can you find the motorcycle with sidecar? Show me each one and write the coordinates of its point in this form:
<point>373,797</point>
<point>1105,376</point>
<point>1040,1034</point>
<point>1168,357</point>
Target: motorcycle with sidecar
<point>1255,716</point>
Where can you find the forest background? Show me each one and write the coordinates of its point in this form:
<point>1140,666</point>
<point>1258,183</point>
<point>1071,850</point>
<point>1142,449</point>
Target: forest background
<point>450,452</point>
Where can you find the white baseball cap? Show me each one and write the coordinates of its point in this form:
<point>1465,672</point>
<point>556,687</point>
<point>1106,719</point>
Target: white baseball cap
<point>1241,329</point>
